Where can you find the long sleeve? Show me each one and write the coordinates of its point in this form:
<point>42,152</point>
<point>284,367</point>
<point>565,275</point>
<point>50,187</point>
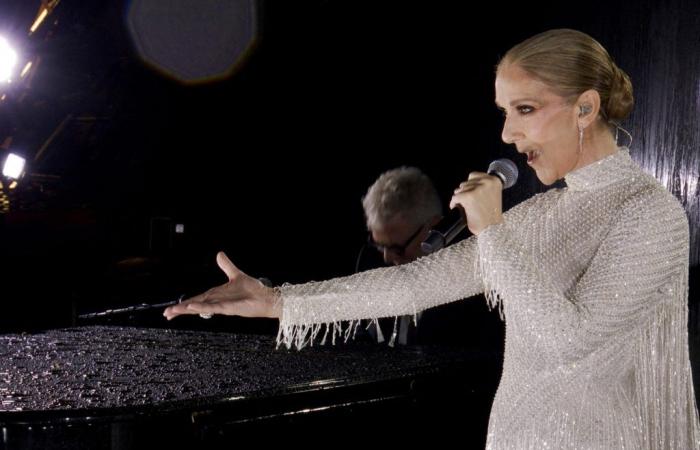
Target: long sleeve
<point>448,275</point>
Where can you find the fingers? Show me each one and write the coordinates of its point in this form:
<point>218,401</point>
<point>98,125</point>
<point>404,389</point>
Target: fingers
<point>203,307</point>
<point>208,307</point>
<point>475,181</point>
<point>227,266</point>
<point>477,175</point>
<point>464,187</point>
<point>181,308</point>
<point>184,307</point>
<point>467,186</point>
<point>454,202</point>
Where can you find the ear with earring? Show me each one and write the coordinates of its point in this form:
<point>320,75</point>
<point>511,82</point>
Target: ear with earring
<point>586,109</point>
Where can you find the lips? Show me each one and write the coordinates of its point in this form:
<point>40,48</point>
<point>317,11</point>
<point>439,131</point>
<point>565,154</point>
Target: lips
<point>532,156</point>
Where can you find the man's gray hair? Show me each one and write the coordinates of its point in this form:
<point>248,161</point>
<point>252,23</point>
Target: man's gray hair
<point>405,193</point>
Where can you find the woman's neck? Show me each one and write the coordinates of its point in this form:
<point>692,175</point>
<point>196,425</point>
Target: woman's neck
<point>598,143</point>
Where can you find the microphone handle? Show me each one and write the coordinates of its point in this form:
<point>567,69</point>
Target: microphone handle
<point>437,240</point>
<point>454,230</point>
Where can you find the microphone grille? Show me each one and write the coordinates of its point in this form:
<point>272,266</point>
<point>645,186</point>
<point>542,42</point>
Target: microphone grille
<point>506,170</point>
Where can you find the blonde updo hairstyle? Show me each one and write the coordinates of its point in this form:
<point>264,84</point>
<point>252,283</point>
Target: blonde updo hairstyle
<point>572,62</point>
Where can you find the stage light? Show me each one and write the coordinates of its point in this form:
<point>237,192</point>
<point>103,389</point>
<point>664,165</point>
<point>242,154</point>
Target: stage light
<point>8,60</point>
<point>26,69</point>
<point>14,166</point>
<point>13,184</point>
<point>40,18</point>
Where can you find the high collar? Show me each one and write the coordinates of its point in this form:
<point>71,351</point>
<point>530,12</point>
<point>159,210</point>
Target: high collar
<point>603,172</point>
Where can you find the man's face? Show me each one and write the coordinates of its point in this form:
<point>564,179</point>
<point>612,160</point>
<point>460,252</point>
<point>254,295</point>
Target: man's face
<point>399,240</point>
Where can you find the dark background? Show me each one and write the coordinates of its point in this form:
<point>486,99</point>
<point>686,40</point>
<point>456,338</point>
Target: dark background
<point>270,163</point>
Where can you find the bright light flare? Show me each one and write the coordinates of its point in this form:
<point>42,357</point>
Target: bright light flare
<point>26,69</point>
<point>8,60</point>
<point>14,166</point>
<point>40,18</point>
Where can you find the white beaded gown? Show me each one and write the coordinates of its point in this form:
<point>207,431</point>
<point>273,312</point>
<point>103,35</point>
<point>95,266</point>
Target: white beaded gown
<point>592,281</point>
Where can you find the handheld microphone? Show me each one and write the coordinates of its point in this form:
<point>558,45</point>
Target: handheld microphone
<point>506,171</point>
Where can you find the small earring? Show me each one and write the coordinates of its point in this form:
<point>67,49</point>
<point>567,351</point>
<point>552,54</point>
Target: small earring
<point>580,139</point>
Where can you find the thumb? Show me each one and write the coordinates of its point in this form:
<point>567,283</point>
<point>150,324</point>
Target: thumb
<point>227,266</point>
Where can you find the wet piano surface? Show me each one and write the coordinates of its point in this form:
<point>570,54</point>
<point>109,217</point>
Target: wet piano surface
<point>120,387</point>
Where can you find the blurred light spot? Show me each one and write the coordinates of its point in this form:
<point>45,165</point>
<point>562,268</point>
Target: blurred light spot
<point>26,69</point>
<point>40,18</point>
<point>193,40</point>
<point>14,166</point>
<point>8,60</point>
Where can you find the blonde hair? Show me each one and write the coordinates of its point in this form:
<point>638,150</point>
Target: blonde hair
<point>572,62</point>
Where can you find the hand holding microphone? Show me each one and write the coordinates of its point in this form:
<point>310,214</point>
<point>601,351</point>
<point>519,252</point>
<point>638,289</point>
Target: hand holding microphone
<point>480,197</point>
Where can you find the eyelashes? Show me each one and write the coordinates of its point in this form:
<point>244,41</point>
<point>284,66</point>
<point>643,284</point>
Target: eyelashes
<point>523,110</point>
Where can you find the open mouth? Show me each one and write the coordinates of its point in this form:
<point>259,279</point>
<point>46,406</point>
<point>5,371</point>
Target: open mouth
<point>532,156</point>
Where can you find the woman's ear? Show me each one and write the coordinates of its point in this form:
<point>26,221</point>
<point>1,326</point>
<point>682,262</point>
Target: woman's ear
<point>588,107</point>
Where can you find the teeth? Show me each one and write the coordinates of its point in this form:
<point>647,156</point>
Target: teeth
<point>531,155</point>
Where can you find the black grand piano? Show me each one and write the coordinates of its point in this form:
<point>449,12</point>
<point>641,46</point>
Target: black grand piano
<point>107,387</point>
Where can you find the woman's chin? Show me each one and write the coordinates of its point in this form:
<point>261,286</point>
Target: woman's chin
<point>545,178</point>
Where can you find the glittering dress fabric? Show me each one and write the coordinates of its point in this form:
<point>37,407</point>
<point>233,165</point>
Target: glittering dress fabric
<point>592,280</point>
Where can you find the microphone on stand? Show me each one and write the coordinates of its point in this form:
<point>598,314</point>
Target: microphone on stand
<point>506,171</point>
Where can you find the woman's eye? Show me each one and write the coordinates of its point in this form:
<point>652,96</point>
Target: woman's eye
<point>524,109</point>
